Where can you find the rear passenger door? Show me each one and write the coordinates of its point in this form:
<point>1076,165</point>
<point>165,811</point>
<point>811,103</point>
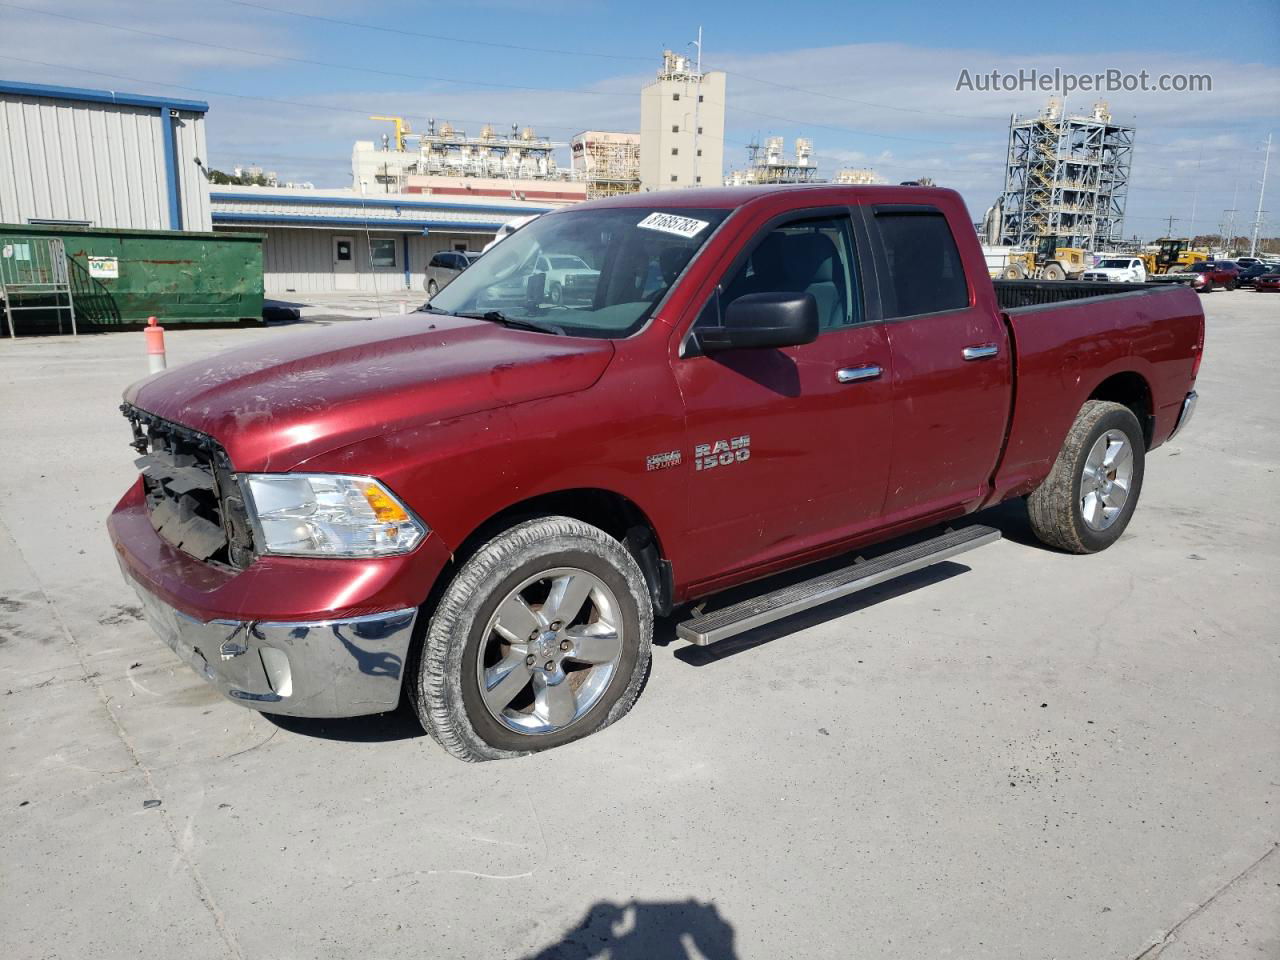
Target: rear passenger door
<point>951,368</point>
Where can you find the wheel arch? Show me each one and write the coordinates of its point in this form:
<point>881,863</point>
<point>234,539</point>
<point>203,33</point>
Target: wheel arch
<point>1130,389</point>
<point>617,515</point>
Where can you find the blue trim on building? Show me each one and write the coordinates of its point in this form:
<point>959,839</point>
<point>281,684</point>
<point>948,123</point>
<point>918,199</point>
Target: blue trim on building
<point>408,280</point>
<point>101,96</point>
<point>171,169</point>
<point>249,219</point>
<point>321,200</point>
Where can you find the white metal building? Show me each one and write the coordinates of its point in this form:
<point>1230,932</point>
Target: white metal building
<point>331,241</point>
<point>101,158</point>
<point>682,126</point>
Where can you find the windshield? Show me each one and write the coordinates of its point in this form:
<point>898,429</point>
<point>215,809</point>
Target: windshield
<point>1115,264</point>
<point>594,273</point>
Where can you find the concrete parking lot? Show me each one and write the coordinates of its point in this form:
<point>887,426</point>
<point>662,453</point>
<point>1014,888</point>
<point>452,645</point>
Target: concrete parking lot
<point>1022,754</point>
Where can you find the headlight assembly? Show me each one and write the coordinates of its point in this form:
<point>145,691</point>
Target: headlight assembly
<point>328,515</point>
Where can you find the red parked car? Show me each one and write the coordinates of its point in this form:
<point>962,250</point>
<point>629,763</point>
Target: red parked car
<point>1268,282</point>
<point>1217,273</point>
<point>485,507</point>
<point>1203,276</point>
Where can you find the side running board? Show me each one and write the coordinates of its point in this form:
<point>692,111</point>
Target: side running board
<point>757,611</point>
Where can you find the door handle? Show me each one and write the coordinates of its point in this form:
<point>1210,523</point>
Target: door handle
<point>981,351</point>
<point>854,374</point>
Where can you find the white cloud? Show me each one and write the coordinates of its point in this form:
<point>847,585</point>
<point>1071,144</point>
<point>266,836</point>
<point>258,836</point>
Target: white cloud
<point>893,107</point>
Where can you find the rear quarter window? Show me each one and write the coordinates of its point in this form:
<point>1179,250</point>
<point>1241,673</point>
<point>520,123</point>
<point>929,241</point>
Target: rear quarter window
<point>924,270</point>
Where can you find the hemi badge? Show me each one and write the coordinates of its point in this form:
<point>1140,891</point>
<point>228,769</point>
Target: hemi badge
<point>662,461</point>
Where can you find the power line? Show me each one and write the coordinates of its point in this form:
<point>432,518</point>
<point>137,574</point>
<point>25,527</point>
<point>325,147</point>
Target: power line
<point>575,53</point>
<point>843,99</point>
<point>401,31</point>
<point>239,96</point>
<point>448,80</point>
<point>314,63</point>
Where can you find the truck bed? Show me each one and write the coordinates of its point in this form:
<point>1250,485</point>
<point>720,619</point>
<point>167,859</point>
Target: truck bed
<point>1015,294</point>
<point>1070,343</point>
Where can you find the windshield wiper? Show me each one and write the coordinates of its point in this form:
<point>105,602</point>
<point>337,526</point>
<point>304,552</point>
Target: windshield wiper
<point>497,316</point>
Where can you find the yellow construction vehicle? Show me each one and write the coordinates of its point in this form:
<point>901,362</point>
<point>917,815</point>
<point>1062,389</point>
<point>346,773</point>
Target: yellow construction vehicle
<point>1173,255</point>
<point>1048,261</point>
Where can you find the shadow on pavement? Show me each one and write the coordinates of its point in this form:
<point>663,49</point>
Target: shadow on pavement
<point>908,583</point>
<point>640,930</point>
<point>399,724</point>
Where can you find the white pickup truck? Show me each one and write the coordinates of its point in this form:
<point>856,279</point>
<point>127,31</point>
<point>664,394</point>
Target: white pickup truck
<point>1117,270</point>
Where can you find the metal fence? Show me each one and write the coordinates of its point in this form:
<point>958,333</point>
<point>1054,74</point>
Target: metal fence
<point>33,276</point>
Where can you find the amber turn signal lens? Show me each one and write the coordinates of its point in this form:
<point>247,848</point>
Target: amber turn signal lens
<point>384,508</point>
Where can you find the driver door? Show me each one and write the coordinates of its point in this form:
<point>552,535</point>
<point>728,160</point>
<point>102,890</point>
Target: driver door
<point>789,447</point>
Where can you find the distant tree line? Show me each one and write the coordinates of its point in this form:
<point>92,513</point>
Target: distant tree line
<point>1216,241</point>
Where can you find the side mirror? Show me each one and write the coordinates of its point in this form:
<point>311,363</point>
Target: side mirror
<point>764,320</point>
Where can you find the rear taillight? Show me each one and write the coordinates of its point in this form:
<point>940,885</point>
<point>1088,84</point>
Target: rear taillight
<point>1197,352</point>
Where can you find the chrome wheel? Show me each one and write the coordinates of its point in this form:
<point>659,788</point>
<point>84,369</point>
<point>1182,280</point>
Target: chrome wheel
<point>549,651</point>
<point>1106,480</point>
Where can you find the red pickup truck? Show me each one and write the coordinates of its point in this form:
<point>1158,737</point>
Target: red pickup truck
<point>484,504</point>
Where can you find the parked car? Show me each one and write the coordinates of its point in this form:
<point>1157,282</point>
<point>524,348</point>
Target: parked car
<point>1251,272</point>
<point>490,523</point>
<point>1203,276</point>
<point>1268,282</point>
<point>443,267</point>
<point>1117,270</point>
<point>1257,261</point>
<point>1223,273</point>
<point>569,278</point>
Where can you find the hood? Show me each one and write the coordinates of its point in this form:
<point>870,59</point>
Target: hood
<point>295,396</point>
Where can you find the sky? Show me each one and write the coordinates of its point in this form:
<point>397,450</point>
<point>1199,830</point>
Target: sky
<point>291,84</point>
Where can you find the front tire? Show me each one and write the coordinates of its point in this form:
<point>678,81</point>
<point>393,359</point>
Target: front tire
<point>1085,503</point>
<point>542,638</point>
<point>432,289</point>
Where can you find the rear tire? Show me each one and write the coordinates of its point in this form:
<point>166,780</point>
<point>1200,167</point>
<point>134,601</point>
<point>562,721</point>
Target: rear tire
<point>432,289</point>
<point>1085,503</point>
<point>1054,272</point>
<point>490,682</point>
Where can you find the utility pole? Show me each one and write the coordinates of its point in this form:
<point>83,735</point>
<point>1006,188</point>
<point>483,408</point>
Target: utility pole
<point>697,104</point>
<point>1172,221</point>
<point>1257,219</point>
<point>1229,228</point>
<point>1195,197</point>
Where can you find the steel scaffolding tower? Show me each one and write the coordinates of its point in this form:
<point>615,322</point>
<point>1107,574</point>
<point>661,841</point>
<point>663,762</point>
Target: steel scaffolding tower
<point>1067,176</point>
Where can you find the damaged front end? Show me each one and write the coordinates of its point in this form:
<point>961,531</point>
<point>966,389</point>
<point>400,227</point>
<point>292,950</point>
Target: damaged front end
<point>192,498</point>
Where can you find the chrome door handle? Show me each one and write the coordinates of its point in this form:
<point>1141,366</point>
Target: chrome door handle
<point>981,352</point>
<point>854,374</point>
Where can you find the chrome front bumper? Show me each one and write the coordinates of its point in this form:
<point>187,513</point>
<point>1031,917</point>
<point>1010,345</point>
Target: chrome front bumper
<point>1184,416</point>
<point>323,668</point>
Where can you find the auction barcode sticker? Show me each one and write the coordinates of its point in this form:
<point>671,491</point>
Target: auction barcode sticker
<point>670,223</point>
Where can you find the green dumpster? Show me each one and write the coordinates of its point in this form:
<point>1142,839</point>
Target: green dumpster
<point>120,277</point>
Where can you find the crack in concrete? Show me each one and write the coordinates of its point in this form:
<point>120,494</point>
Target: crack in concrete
<point>92,677</point>
<point>1157,948</point>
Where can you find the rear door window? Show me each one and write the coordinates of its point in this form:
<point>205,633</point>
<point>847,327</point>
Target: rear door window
<point>924,270</point>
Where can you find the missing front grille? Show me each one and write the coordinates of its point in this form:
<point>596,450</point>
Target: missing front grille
<point>191,495</point>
